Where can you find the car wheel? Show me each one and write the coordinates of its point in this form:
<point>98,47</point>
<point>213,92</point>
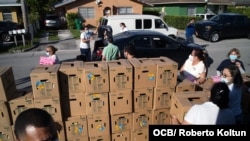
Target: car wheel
<point>214,37</point>
<point>6,37</point>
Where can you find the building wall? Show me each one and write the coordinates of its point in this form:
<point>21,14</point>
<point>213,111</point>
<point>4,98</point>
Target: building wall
<point>99,10</point>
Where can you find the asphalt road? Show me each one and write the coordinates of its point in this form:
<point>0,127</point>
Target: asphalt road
<point>68,49</point>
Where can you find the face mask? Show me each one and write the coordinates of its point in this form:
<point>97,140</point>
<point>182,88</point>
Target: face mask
<point>190,57</point>
<point>232,57</point>
<point>224,80</point>
<point>47,53</point>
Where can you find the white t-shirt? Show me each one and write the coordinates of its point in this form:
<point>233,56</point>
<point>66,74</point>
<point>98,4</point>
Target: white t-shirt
<point>192,72</point>
<point>124,29</point>
<point>203,114</point>
<point>85,35</point>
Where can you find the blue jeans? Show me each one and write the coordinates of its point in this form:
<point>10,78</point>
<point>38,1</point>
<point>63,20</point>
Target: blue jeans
<point>86,52</point>
<point>189,39</point>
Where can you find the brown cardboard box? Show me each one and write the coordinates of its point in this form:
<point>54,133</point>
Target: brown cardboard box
<point>143,98</point>
<point>51,105</point>
<point>76,127</point>
<point>71,77</point>
<point>100,138</point>
<point>183,101</point>
<point>246,77</point>
<point>85,138</point>
<point>144,72</point>
<point>120,102</point>
<point>97,103</point>
<point>98,125</point>
<point>6,133</point>
<point>167,71</point>
<point>121,122</point>
<point>121,136</point>
<point>207,85</point>
<point>21,104</point>
<point>77,104</point>
<point>185,86</point>
<point>96,76</point>
<point>161,98</point>
<point>44,81</point>
<point>4,114</point>
<point>141,119</point>
<point>7,83</point>
<point>140,135</point>
<point>161,116</point>
<point>120,74</point>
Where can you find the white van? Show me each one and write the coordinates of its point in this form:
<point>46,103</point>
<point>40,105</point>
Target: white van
<point>139,22</point>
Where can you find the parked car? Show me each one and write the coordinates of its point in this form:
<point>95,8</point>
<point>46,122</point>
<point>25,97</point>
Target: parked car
<point>5,27</point>
<point>225,25</point>
<point>52,21</point>
<point>150,44</point>
<point>204,16</point>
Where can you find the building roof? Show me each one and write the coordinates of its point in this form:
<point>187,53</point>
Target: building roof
<point>64,2</point>
<point>9,3</point>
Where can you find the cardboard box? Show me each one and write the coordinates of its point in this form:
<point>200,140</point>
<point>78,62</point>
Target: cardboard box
<point>97,103</point>
<point>167,71</point>
<point>98,125</point>
<point>161,98</point>
<point>120,75</point>
<point>6,133</point>
<point>44,81</point>
<point>121,122</point>
<point>21,104</point>
<point>183,101</point>
<point>141,119</point>
<point>7,83</point>
<point>51,105</point>
<point>121,136</point>
<point>140,135</point>
<point>96,77</point>
<point>71,77</point>
<point>100,138</point>
<point>161,116</point>
<point>85,138</point>
<point>185,86</point>
<point>73,104</point>
<point>144,72</point>
<point>76,127</point>
<point>120,102</point>
<point>143,98</point>
<point>207,85</point>
<point>4,114</point>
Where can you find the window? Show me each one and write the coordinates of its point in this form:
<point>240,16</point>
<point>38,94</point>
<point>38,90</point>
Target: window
<point>7,16</point>
<point>147,24</point>
<point>138,24</point>
<point>86,12</point>
<point>159,23</point>
<point>142,42</point>
<point>124,10</point>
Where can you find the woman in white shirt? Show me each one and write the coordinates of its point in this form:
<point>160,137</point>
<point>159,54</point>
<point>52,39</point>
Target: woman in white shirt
<point>123,27</point>
<point>194,68</point>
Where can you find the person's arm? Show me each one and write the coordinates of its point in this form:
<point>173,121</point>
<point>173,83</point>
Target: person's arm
<point>238,64</point>
<point>202,78</point>
<point>175,121</point>
<point>84,38</point>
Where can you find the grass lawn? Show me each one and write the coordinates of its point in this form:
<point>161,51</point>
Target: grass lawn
<point>76,33</point>
<point>53,35</point>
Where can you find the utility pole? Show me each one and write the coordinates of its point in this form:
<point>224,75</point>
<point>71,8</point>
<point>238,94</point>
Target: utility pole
<point>25,16</point>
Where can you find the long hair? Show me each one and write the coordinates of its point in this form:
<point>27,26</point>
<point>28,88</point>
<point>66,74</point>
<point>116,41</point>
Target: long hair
<point>219,95</point>
<point>236,75</point>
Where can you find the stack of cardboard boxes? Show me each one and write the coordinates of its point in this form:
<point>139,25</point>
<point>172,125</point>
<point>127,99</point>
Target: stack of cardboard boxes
<point>115,100</point>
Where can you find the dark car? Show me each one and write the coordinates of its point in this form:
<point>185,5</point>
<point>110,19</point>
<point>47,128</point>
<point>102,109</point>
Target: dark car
<point>150,44</point>
<point>5,27</point>
<point>52,21</point>
<point>225,25</point>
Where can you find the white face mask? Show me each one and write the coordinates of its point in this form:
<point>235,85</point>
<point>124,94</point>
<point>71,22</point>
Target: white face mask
<point>47,53</point>
<point>223,79</point>
<point>190,57</point>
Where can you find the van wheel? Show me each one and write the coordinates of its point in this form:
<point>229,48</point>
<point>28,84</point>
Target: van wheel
<point>214,37</point>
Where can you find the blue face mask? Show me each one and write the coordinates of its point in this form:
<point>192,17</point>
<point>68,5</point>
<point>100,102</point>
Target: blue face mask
<point>232,57</point>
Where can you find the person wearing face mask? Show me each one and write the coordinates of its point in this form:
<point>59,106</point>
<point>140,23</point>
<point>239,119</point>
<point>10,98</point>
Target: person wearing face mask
<point>51,53</point>
<point>194,68</point>
<point>85,39</point>
<point>129,51</point>
<point>232,77</point>
<point>233,59</point>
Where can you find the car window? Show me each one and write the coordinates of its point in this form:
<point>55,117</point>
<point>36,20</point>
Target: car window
<point>159,23</point>
<point>147,23</point>
<point>138,23</point>
<point>159,42</point>
<point>142,42</point>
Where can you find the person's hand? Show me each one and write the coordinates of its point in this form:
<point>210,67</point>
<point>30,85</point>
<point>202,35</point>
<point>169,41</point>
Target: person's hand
<point>238,64</point>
